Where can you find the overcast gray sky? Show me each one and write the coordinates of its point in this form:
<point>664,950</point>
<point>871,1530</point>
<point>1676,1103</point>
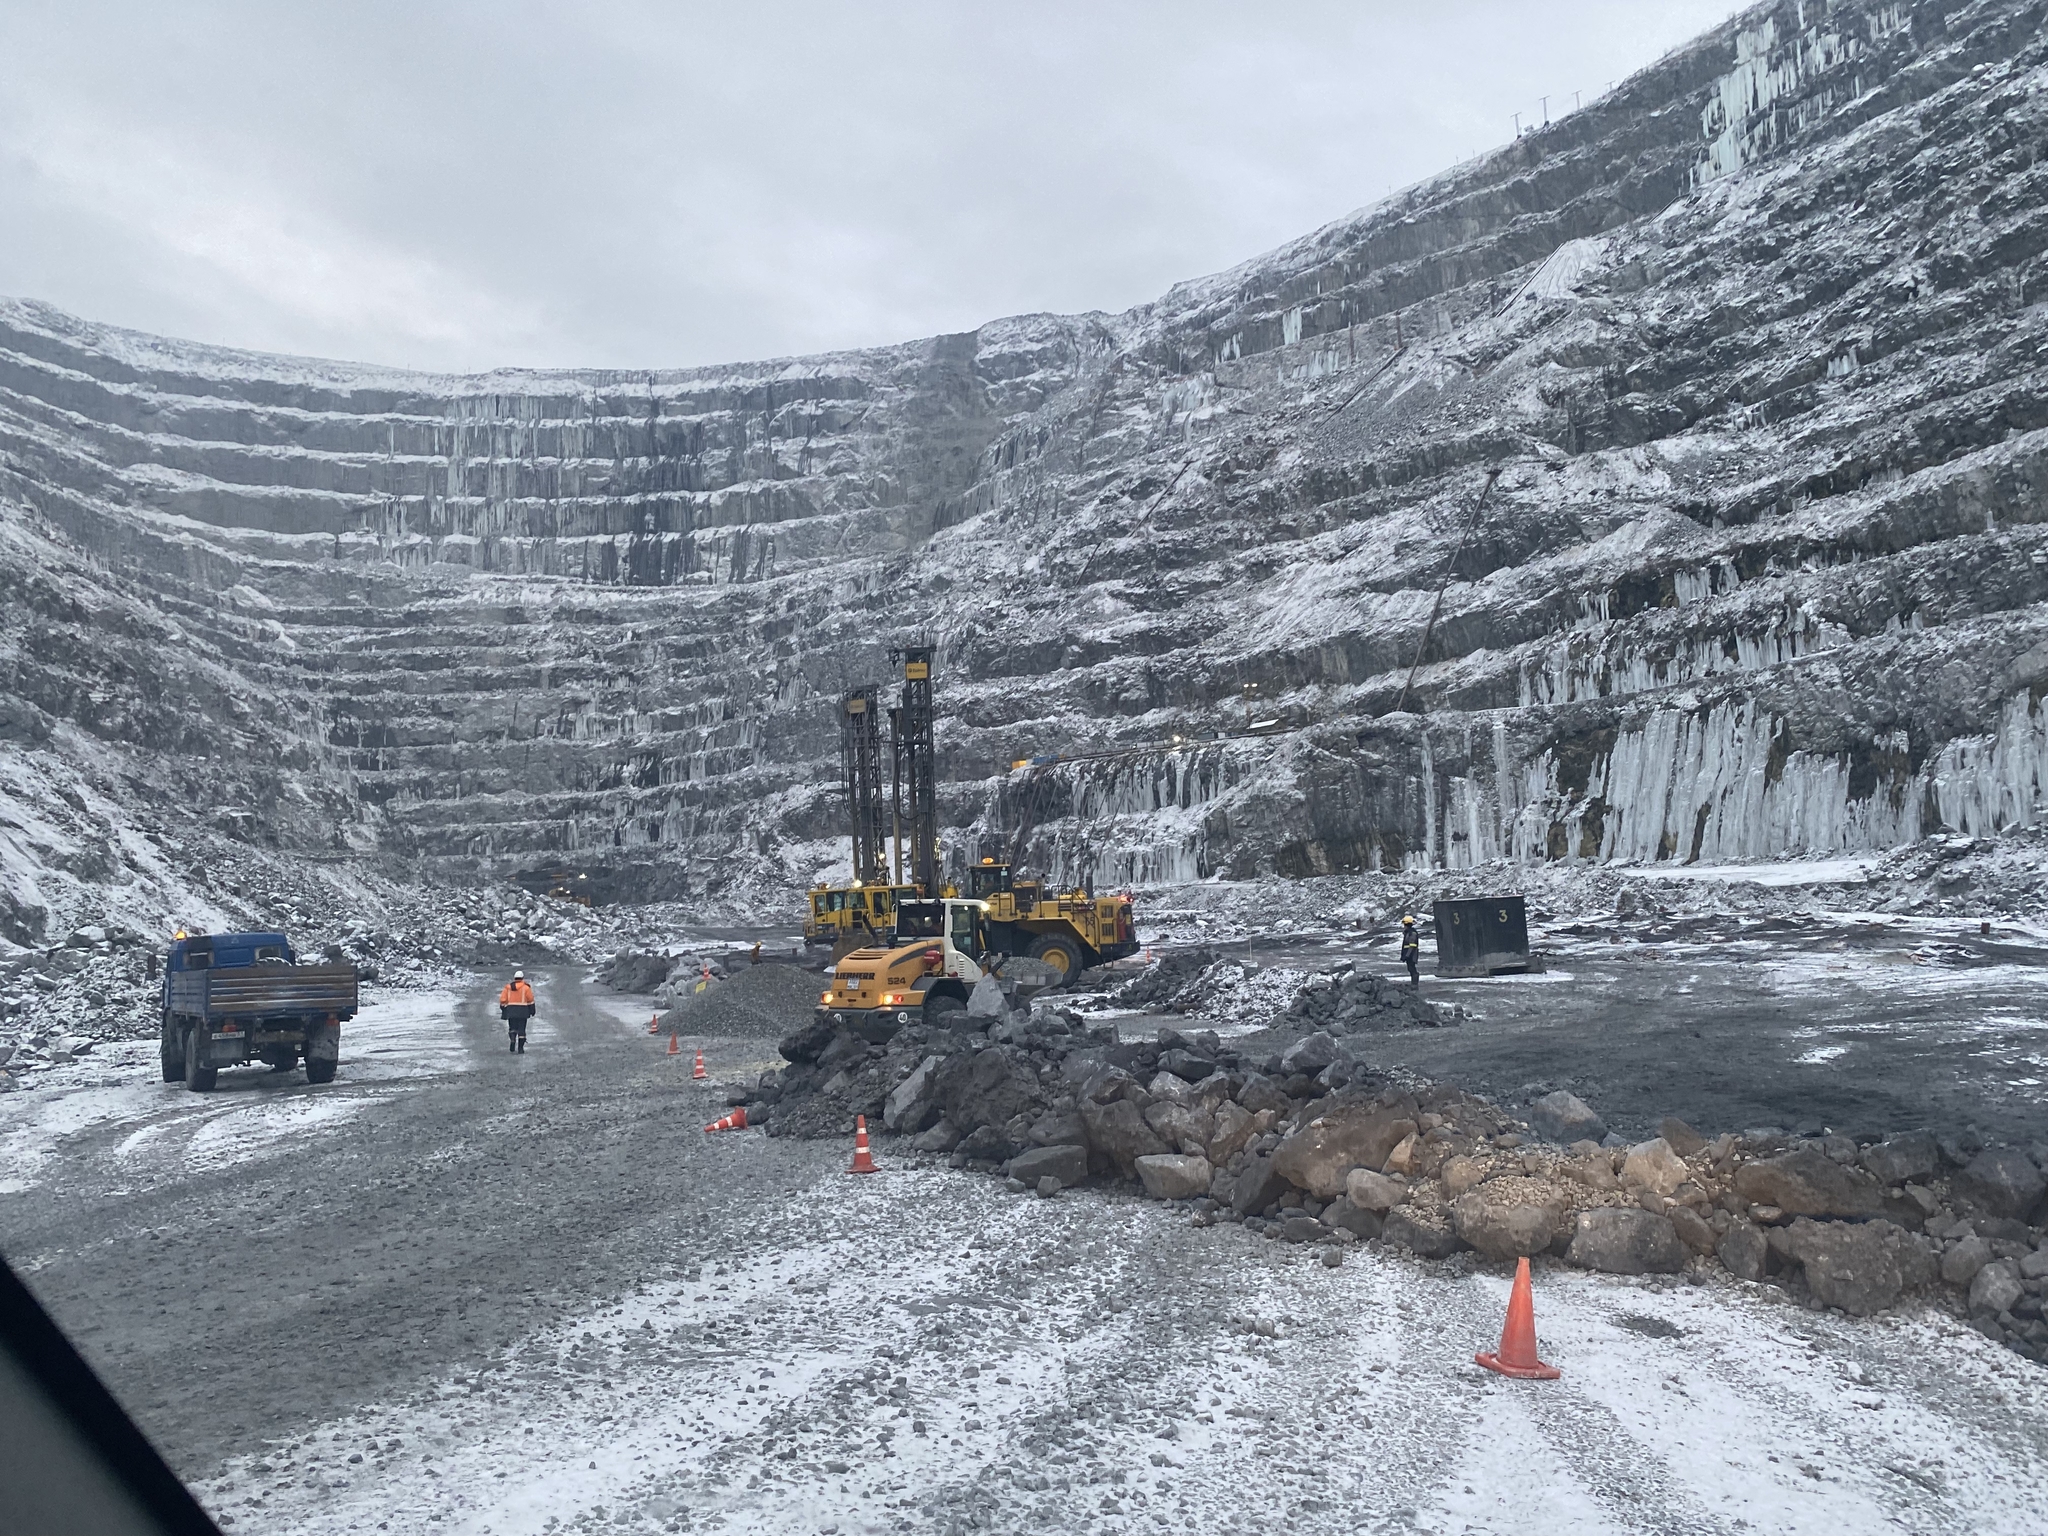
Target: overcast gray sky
<point>467,185</point>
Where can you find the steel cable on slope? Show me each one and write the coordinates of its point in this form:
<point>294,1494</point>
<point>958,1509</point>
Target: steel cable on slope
<point>1437,607</point>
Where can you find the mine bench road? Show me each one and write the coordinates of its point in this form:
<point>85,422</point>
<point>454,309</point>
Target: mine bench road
<point>523,1288</point>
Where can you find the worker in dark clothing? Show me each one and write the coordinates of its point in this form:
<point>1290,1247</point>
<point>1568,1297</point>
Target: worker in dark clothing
<point>515,1007</point>
<point>1411,951</point>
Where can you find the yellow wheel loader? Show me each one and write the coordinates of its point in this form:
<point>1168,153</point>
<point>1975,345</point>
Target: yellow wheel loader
<point>941,950</point>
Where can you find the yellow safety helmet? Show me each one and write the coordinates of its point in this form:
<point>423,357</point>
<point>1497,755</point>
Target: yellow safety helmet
<point>1408,920</point>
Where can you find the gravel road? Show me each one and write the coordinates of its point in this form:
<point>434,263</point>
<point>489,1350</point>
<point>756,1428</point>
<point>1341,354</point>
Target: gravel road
<point>1861,1024</point>
<point>530,1294</point>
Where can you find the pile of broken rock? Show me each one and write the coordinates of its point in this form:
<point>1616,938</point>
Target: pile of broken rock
<point>1310,1147</point>
<point>1345,1000</point>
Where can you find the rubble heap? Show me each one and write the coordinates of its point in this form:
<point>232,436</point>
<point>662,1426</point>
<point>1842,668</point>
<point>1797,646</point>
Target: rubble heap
<point>1309,1146</point>
<point>1344,1000</point>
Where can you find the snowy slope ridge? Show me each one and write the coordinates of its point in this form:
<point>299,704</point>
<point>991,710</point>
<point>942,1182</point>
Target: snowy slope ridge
<point>1754,342</point>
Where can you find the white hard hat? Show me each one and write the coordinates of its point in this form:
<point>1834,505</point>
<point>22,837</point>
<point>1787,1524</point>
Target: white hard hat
<point>519,975</point>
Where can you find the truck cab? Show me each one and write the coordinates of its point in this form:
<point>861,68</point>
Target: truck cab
<point>942,948</point>
<point>233,999</point>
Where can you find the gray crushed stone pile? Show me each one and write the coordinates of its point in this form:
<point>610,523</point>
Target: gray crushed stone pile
<point>756,1001</point>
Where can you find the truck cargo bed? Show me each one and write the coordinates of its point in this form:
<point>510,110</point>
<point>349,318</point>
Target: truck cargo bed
<point>266,991</point>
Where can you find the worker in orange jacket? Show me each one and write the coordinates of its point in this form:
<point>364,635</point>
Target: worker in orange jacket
<point>515,1007</point>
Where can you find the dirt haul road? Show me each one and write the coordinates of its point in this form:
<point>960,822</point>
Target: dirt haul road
<point>465,1292</point>
<point>1862,1024</point>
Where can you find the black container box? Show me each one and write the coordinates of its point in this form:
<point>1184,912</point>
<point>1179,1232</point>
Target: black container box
<point>1482,936</point>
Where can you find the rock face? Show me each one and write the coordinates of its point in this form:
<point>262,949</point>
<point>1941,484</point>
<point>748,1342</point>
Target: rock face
<point>1756,574</point>
<point>1806,1182</point>
<point>1619,1241</point>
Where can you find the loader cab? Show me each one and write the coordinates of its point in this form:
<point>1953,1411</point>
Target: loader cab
<point>962,924</point>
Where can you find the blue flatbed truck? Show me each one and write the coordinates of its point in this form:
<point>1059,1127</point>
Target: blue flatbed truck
<point>237,999</point>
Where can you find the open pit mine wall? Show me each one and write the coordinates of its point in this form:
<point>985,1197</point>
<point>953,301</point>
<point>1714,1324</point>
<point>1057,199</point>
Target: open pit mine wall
<point>1755,342</point>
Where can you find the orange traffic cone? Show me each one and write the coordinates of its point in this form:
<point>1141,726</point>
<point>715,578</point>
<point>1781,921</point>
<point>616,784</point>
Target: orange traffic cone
<point>736,1121</point>
<point>674,1046</point>
<point>863,1159</point>
<point>700,1074</point>
<point>654,1023</point>
<point>1517,1354</point>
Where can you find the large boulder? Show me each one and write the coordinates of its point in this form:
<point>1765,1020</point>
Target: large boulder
<point>1341,1215</point>
<point>1186,1064</point>
<point>1506,1218</point>
<point>1806,1182</point>
<point>989,1087</point>
<point>1680,1137</point>
<point>1426,1234</point>
<point>1261,1092</point>
<point>1459,1174</point>
<point>2003,1182</point>
<point>1374,1192</point>
<point>986,1001</point>
<point>1625,1241</point>
<point>1233,1128</point>
<point>1321,1155</point>
<point>1745,1251</point>
<point>1069,1165</point>
<point>1310,1055</point>
<point>808,1040</point>
<point>1119,1132</point>
<point>913,1105</point>
<point>1692,1228</point>
<point>1654,1166</point>
<point>1960,1264</point>
<point>1260,1185</point>
<point>1565,1118</point>
<point>1908,1158</point>
<point>1995,1289</point>
<point>1059,1128</point>
<point>1174,1177</point>
<point>1182,1126</point>
<point>1861,1267</point>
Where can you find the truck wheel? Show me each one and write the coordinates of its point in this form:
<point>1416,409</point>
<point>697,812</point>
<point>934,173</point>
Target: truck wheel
<point>172,1052</point>
<point>197,1078</point>
<point>1059,952</point>
<point>320,1071</point>
<point>940,1010</point>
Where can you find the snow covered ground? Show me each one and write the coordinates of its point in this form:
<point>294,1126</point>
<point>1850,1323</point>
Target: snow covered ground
<point>921,1351</point>
<point>1005,1363</point>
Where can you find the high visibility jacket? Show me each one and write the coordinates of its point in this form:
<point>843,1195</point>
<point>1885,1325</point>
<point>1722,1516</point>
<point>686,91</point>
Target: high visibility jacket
<point>515,994</point>
<point>1411,943</point>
